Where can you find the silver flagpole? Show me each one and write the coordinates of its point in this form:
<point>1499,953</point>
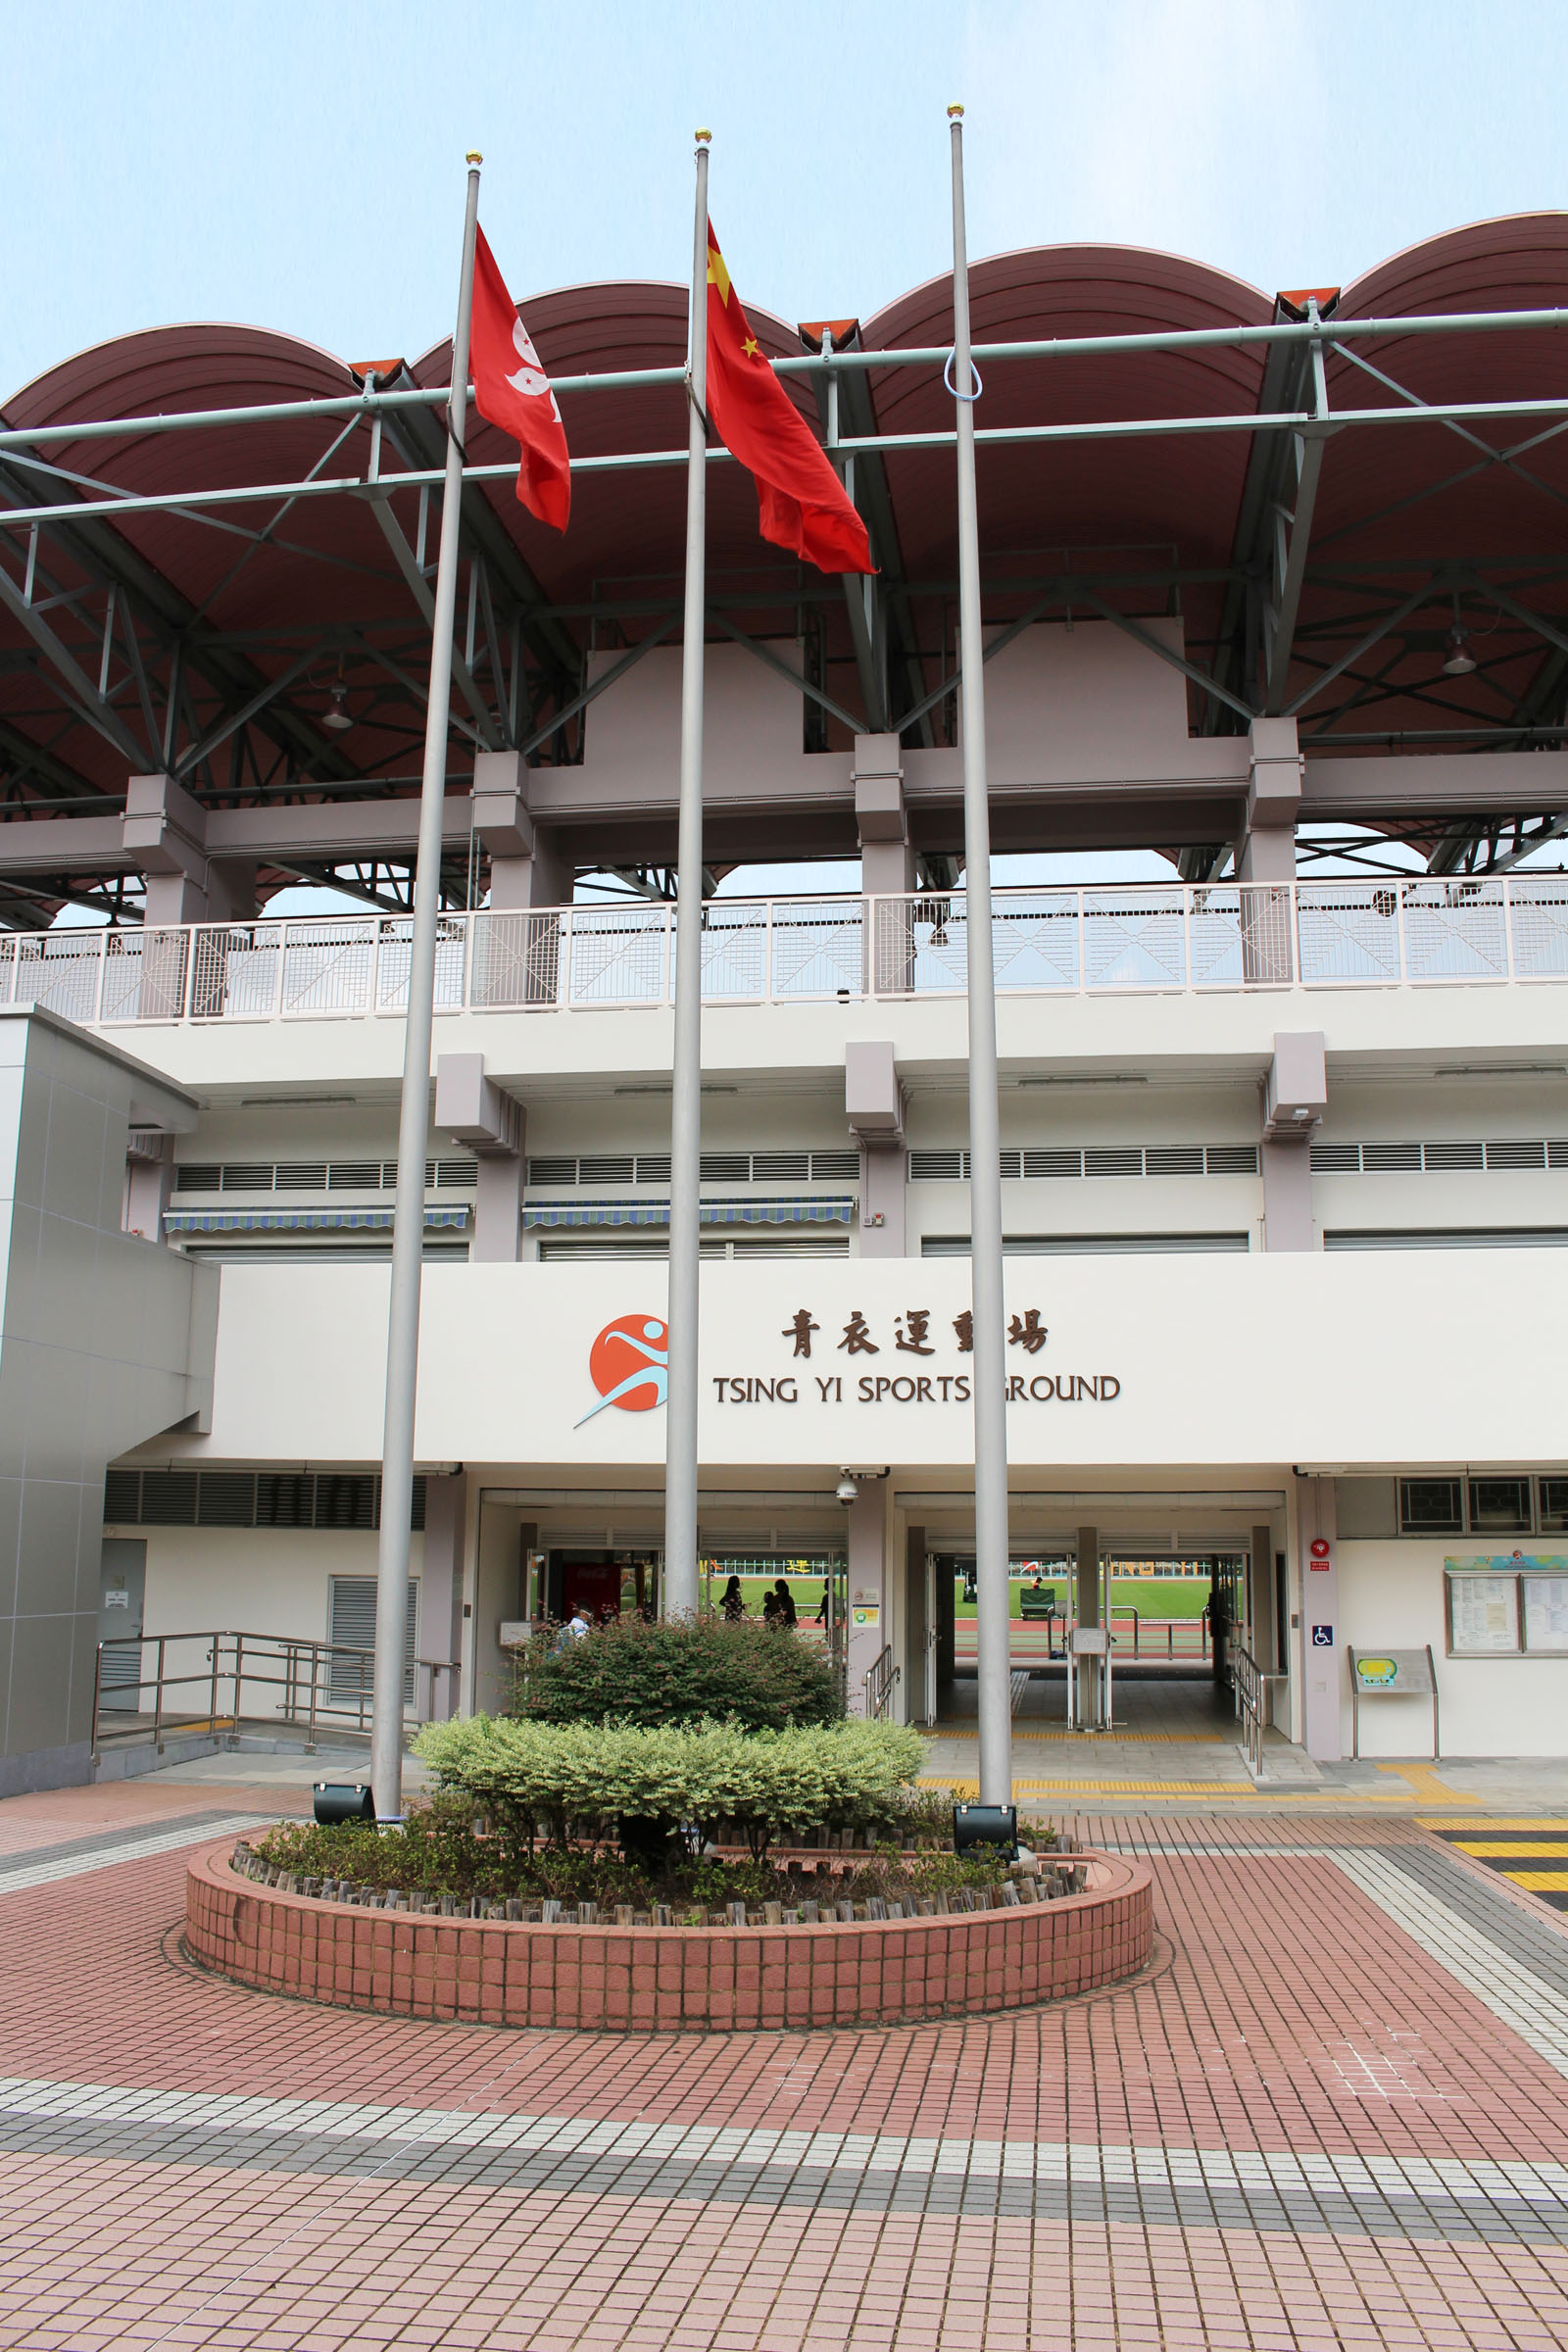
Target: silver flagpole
<point>413,1115</point>
<point>685,1148</point>
<point>992,1604</point>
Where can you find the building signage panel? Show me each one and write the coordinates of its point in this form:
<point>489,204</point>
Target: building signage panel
<point>1322,1637</point>
<point>1128,1362</point>
<point>1393,1672</point>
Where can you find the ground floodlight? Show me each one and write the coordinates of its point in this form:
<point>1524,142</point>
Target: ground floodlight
<point>986,1825</point>
<point>344,1801</point>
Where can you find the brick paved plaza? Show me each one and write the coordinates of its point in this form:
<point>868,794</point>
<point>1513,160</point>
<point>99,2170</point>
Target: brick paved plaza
<point>1335,2114</point>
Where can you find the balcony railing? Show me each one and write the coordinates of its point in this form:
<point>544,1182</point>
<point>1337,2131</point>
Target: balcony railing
<point>1164,939</point>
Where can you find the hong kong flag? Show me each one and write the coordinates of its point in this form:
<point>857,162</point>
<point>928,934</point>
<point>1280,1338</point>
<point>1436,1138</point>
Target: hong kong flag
<point>511,389</point>
<point>803,505</point>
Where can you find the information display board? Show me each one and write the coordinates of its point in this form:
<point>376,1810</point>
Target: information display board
<point>1482,1612</point>
<point>1512,1604</point>
<point>1547,1613</point>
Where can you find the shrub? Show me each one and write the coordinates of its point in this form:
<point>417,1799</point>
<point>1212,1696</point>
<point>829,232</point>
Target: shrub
<point>680,1670</point>
<point>591,1776</point>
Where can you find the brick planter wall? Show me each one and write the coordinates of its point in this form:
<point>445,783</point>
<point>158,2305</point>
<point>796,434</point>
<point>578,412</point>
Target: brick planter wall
<point>669,1980</point>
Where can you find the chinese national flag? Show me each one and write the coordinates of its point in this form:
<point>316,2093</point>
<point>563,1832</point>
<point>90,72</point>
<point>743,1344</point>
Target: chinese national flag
<point>511,389</point>
<point>803,505</point>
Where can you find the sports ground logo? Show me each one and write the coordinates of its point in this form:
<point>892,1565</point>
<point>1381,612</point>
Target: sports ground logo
<point>629,1365</point>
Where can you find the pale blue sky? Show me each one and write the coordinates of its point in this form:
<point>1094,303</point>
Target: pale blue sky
<point>300,166</point>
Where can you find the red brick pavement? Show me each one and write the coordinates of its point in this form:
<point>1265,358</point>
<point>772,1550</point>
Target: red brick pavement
<point>1293,2016</point>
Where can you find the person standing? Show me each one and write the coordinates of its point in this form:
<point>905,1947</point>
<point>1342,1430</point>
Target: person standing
<point>786,1613</point>
<point>732,1605</point>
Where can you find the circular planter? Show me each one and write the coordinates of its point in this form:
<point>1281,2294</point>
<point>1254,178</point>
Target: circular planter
<point>666,1979</point>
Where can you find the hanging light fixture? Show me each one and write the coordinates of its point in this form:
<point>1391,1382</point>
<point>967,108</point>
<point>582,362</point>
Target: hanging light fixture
<point>1461,661</point>
<point>337,716</point>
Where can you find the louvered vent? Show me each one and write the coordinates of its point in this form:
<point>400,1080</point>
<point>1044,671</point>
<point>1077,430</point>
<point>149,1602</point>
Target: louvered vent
<point>1512,1155</point>
<point>1231,1159</point>
<point>1438,1156</point>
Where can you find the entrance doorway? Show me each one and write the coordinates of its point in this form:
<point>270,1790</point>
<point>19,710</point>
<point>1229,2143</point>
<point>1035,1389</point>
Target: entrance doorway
<point>1161,1607</point>
<point>607,1583</point>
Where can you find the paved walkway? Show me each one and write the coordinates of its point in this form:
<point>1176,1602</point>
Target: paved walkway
<point>1335,2115</point>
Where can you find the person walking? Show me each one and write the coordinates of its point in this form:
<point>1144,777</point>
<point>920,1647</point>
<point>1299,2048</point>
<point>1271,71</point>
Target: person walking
<point>786,1613</point>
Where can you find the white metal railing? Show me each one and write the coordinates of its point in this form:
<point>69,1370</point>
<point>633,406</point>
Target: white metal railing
<point>1059,940</point>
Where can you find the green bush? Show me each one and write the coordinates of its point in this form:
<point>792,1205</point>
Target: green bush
<point>438,1851</point>
<point>681,1670</point>
<point>591,1779</point>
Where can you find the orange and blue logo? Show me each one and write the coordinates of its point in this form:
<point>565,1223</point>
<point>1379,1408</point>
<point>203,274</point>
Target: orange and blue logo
<point>629,1365</point>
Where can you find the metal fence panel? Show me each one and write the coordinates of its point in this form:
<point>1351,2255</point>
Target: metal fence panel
<point>1456,929</point>
<point>619,954</point>
<point>1539,922</point>
<point>59,971</point>
<point>1348,931</point>
<point>817,948</point>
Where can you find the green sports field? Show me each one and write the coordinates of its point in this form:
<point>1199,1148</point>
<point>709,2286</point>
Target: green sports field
<point>1155,1597</point>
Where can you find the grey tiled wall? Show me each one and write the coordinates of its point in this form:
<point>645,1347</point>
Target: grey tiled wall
<point>96,1337</point>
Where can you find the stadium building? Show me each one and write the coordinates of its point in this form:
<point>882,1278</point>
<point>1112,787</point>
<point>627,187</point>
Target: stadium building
<point>1275,592</point>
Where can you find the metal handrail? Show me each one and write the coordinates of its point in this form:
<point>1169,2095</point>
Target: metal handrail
<point>1056,939</point>
<point>301,1668</point>
<point>1250,1685</point>
<point>880,1679</point>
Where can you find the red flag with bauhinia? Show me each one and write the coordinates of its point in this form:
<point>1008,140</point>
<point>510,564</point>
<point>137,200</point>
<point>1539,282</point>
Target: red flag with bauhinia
<point>803,505</point>
<point>511,389</point>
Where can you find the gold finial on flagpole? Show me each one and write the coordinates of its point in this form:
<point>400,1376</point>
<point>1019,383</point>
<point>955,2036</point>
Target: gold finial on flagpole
<point>702,137</point>
<point>473,155</point>
<point>954,112</point>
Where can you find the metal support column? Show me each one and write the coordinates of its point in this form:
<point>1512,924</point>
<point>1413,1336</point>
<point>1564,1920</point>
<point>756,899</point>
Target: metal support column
<point>685,1141</point>
<point>413,1115</point>
<point>992,1607</point>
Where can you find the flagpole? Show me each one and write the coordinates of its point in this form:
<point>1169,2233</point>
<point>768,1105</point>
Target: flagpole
<point>989,1378</point>
<point>413,1114</point>
<point>685,1162</point>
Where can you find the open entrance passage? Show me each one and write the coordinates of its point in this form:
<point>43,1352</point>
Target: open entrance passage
<point>1120,1638</point>
<point>737,1584</point>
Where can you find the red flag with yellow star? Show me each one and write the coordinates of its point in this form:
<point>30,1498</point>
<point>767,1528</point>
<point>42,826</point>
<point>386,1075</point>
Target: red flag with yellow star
<point>803,505</point>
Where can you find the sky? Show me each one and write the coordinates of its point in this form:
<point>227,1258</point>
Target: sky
<point>301,166</point>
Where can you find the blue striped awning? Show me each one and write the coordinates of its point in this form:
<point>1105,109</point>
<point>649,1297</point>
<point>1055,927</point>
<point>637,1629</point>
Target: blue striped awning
<point>299,1220</point>
<point>799,1208</point>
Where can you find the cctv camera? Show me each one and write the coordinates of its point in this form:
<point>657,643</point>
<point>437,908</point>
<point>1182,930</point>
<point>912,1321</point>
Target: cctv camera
<point>848,1491</point>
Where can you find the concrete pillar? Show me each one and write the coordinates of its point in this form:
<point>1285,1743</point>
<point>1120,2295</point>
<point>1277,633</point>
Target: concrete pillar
<point>527,868</point>
<point>471,1109</point>
<point>1317,1646</point>
<point>1266,851</point>
<point>165,833</point>
<point>887,853</point>
<point>1261,1612</point>
<point>441,1588</point>
<point>149,1182</point>
<point>868,1598</point>
<point>916,1627</point>
<point>1295,1097</point>
<point>1086,1609</point>
<point>873,1105</point>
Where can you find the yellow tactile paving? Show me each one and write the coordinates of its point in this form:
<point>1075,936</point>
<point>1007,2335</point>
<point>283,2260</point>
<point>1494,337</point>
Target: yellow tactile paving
<point>1498,1822</point>
<point>1425,1784</point>
<point>1538,1882</point>
<point>1106,1788</point>
<point>1511,1851</point>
